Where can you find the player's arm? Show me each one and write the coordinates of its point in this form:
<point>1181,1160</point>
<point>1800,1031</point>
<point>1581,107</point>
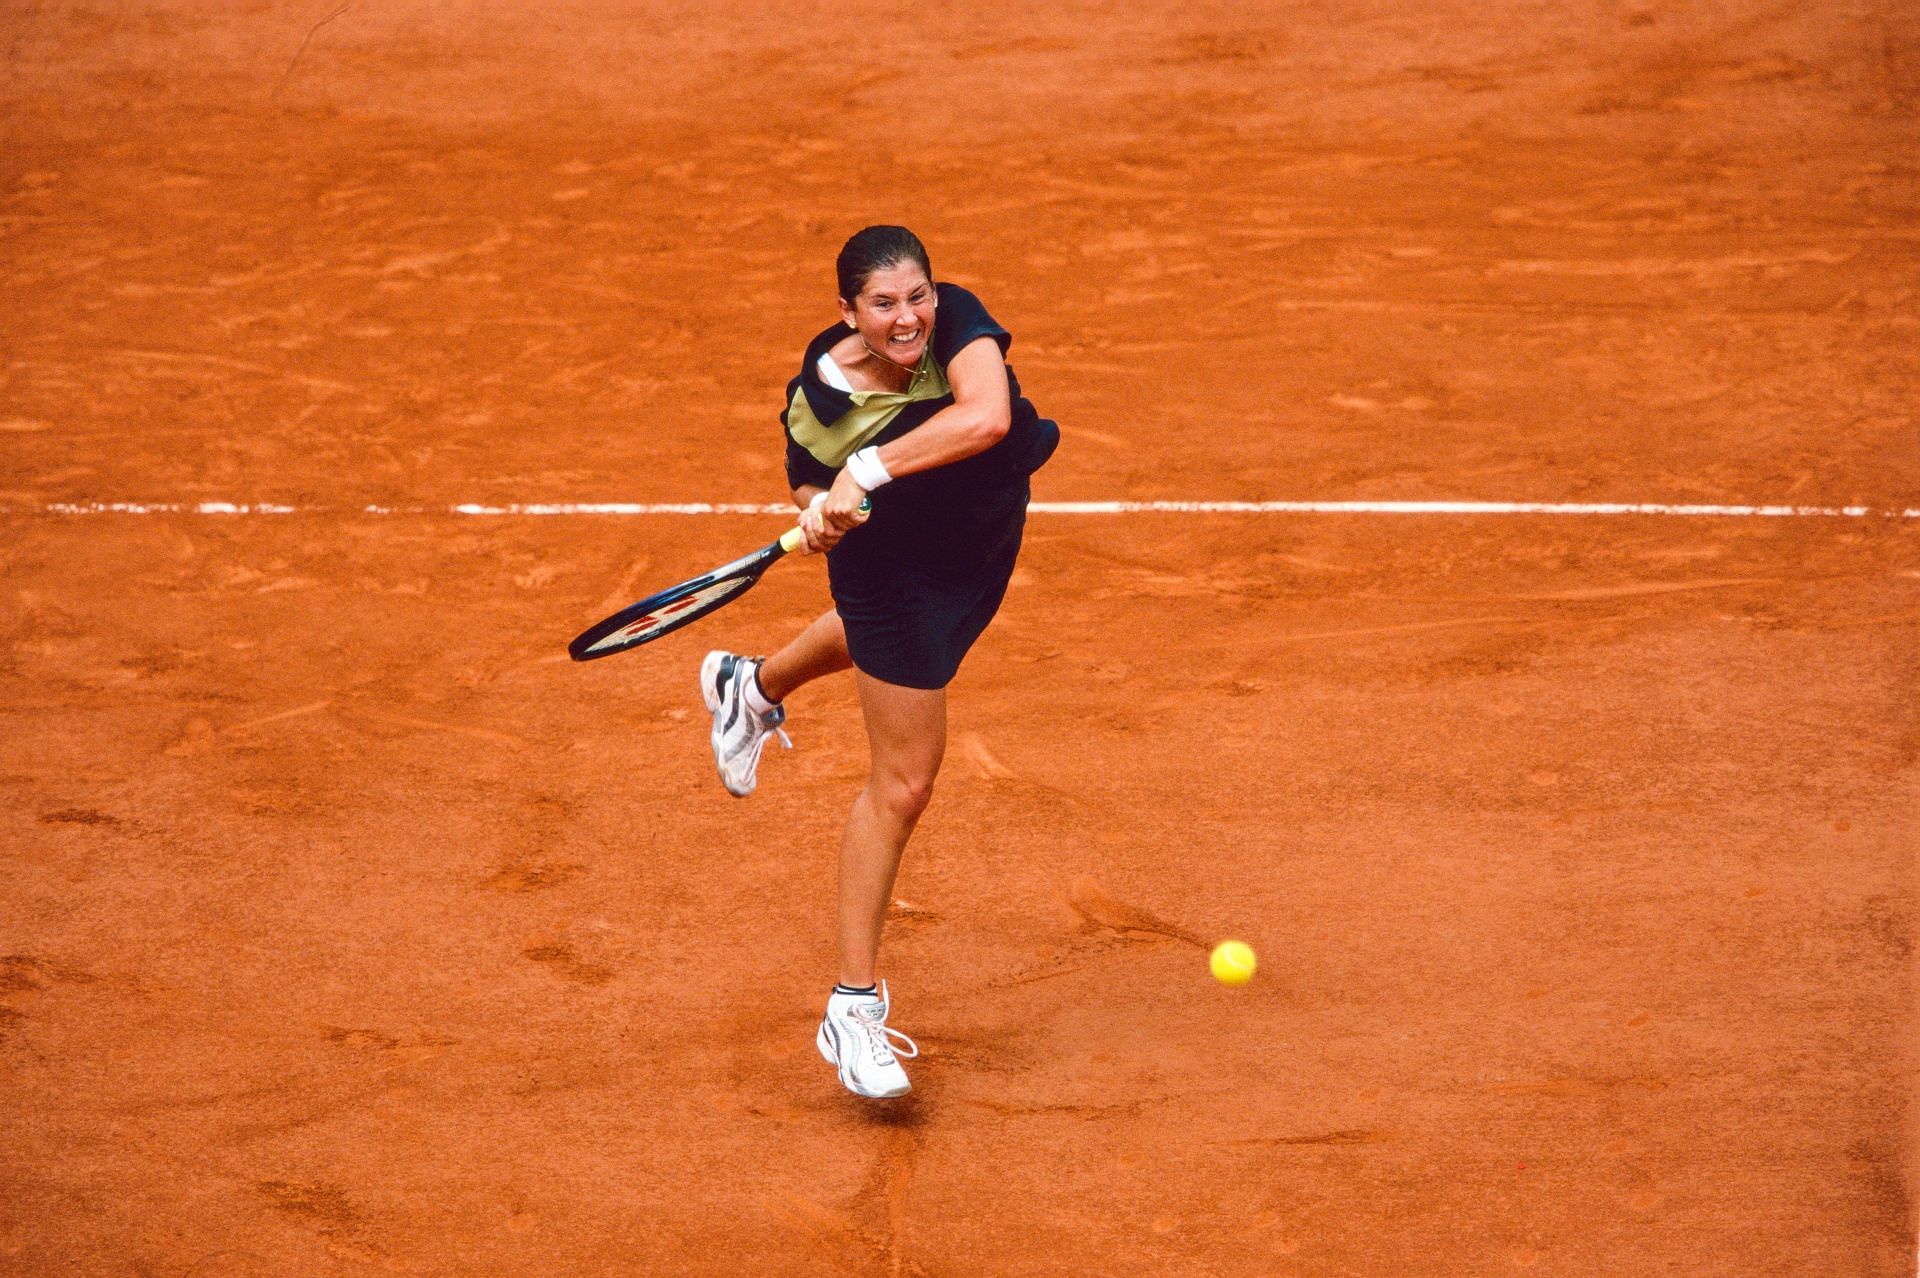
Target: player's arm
<point>976,420</point>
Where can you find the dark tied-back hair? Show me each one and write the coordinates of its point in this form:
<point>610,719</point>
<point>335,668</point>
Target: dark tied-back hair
<point>875,249</point>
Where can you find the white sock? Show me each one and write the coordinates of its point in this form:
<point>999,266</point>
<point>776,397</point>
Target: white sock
<point>756,700</point>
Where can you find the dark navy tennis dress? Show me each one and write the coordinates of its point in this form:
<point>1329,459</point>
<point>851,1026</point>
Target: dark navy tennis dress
<point>917,583</point>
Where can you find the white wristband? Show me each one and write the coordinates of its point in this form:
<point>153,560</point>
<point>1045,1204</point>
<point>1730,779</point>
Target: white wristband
<point>867,469</point>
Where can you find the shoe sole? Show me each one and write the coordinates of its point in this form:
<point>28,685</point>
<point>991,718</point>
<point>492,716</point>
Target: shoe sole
<point>826,1054</point>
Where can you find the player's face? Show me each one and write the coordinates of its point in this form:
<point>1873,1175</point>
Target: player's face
<point>894,312</point>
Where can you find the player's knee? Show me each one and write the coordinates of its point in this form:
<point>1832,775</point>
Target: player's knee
<point>905,796</point>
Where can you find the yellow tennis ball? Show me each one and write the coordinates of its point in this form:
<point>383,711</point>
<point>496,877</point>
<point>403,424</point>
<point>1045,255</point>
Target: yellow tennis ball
<point>1232,962</point>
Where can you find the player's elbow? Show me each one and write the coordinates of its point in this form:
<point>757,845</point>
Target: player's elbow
<point>994,424</point>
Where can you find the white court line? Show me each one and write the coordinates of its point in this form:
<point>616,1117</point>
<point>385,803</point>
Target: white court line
<point>1458,508</point>
<point>629,509</point>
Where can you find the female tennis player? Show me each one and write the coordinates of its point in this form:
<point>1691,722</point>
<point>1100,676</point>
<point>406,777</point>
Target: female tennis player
<point>906,404</point>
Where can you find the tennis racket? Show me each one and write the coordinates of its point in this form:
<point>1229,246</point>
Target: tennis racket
<point>677,606</point>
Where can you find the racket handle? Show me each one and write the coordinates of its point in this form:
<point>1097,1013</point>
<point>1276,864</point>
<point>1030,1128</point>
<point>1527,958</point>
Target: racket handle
<point>792,539</point>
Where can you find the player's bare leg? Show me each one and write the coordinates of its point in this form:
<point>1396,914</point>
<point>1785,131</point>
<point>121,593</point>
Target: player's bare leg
<point>907,735</point>
<point>820,649</point>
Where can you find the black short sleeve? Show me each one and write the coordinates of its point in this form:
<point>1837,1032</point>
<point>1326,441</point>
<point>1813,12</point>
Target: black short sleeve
<point>803,467</point>
<point>961,321</point>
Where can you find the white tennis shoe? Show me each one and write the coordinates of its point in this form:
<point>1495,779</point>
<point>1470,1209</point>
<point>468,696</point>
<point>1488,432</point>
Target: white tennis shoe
<point>739,734</point>
<point>854,1036</point>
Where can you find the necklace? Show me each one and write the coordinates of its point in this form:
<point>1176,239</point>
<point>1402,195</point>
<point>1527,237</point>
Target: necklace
<point>913,373</point>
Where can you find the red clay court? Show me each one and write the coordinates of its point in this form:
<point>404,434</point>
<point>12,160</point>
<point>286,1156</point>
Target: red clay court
<point>349,929</point>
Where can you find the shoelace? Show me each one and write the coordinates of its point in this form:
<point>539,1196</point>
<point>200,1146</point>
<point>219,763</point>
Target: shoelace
<point>758,742</point>
<point>878,1031</point>
<point>775,714</point>
<point>877,1036</point>
<point>760,737</point>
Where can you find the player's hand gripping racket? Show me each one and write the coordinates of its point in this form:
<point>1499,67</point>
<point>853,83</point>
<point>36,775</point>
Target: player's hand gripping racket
<point>677,606</point>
